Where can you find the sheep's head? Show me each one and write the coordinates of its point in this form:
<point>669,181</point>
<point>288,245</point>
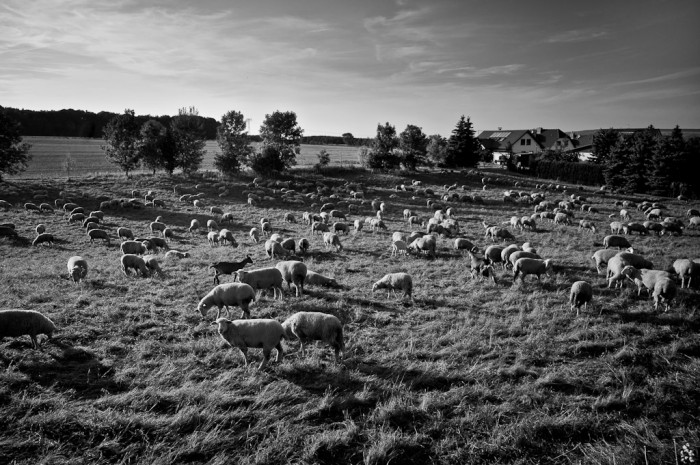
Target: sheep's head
<point>548,265</point>
<point>631,273</point>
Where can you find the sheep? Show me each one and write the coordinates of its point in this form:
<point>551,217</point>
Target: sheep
<point>464,244</point>
<point>638,227</point>
<point>212,225</point>
<point>527,247</point>
<point>338,214</point>
<point>617,263</point>
<point>98,234</point>
<point>15,323</point>
<point>198,204</point>
<point>319,226</point>
<point>316,279</point>
<point>506,253</point>
<point>226,236</point>
<point>213,238</point>
<point>394,281</point>
<point>45,207</point>
<point>526,266</point>
<point>644,277</point>
<point>32,207</point>
<point>76,217</point>
<point>274,249</point>
<point>227,218</point>
<point>254,235</point>
<point>624,214</point>
<point>216,210</point>
<point>358,224</point>
<point>266,228</point>
<point>426,244</point>
<point>397,236</point>
<point>602,256</point>
<point>407,214</point>
<point>495,232</point>
<point>77,268</point>
<point>124,233</point>
<point>616,241</point>
<point>664,290</point>
<point>40,228</point>
<point>293,272</point>
<point>692,212</point>
<point>260,333</point>
<point>229,267</point>
<point>581,294</point>
<point>399,248</point>
<point>480,267</point>
<point>415,220</point>
<point>518,254</point>
<point>315,326</point>
<point>686,269</point>
<point>339,227</point>
<point>332,240</point>
<point>194,226</point>
<point>156,243</point>
<point>134,261</point>
<point>671,228</point>
<point>561,218</point>
<point>168,234</point>
<point>492,255</point>
<point>44,238</point>
<point>225,295</point>
<point>585,224</point>
<point>263,279</point>
<point>303,245</point>
<point>176,254</point>
<point>377,224</point>
<point>152,264</point>
<point>653,226</point>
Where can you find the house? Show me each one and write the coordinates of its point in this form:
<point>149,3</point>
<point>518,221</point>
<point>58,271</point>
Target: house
<point>519,142</point>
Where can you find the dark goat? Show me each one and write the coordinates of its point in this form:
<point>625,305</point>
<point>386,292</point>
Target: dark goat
<point>481,266</point>
<point>228,267</point>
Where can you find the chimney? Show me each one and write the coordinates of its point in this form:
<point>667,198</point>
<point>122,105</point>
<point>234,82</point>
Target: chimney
<point>538,130</point>
<point>500,128</point>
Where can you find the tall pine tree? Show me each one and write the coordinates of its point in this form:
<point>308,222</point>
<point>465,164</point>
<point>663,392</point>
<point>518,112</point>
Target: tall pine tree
<point>462,147</point>
<point>603,142</point>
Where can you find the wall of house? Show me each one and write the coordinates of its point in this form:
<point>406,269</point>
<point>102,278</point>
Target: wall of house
<point>518,146</point>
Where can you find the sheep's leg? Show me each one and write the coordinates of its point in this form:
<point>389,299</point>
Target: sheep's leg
<point>303,349</point>
<point>266,357</point>
<point>35,344</point>
<point>244,353</point>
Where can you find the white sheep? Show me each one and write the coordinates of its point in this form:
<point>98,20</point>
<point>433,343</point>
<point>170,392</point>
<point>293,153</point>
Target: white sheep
<point>152,264</point>
<point>263,279</point>
<point>226,236</point>
<point>303,245</point>
<point>265,333</point>
<point>394,281</point>
<point>518,254</point>
<point>157,226</point>
<point>585,224</point>
<point>176,254</point>
<point>644,277</point>
<point>124,233</point>
<point>225,295</point>
<point>216,210</point>
<point>276,237</point>
<point>581,294</point>
<point>44,238</point>
<point>212,225</point>
<point>664,290</point>
<point>274,249</point>
<point>254,235</point>
<point>194,226</point>
<point>133,247</point>
<point>426,244</point>
<point>213,238</point>
<point>399,248</point>
<point>685,268</point>
<point>616,241</point>
<point>293,272</point>
<point>464,244</point>
<point>526,266</point>
<point>316,279</point>
<point>315,326</point>
<point>131,261</point>
<point>528,247</point>
<point>603,256</point>
<point>319,226</point>
<point>332,240</point>
<point>40,228</point>
<point>198,204</point>
<point>507,252</point>
<point>15,323</point>
<point>617,263</point>
<point>77,268</point>
<point>358,224</point>
<point>98,234</point>
<point>376,224</point>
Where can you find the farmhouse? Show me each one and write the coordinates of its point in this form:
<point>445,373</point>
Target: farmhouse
<point>521,142</point>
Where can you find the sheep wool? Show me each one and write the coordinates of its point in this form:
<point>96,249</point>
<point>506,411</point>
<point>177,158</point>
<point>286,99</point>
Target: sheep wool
<point>581,294</point>
<point>316,279</point>
<point>315,326</point>
<point>263,278</point>
<point>242,334</point>
<point>225,295</point>
<point>77,268</point>
<point>293,272</point>
<point>394,281</point>
<point>15,323</point>
<point>131,261</point>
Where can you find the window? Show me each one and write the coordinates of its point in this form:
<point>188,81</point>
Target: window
<point>522,141</point>
<point>528,141</point>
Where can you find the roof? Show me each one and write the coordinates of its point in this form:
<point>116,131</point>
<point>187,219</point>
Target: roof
<point>498,140</point>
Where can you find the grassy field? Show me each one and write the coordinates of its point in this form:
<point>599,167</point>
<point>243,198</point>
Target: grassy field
<point>470,372</point>
<point>50,155</point>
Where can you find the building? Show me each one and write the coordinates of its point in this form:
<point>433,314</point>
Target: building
<point>518,144</point>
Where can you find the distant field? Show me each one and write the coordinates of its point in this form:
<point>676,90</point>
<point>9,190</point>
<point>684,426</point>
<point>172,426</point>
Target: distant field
<point>49,155</point>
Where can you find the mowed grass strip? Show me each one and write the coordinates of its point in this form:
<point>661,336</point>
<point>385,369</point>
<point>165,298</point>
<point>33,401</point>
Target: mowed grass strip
<point>470,372</point>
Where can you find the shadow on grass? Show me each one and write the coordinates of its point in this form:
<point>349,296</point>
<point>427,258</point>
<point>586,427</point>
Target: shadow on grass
<point>658,319</point>
<point>413,378</point>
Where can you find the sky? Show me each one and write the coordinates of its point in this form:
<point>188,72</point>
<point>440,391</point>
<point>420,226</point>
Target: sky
<point>349,65</point>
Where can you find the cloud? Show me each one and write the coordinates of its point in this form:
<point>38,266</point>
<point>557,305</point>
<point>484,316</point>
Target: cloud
<point>576,35</point>
<point>662,78</point>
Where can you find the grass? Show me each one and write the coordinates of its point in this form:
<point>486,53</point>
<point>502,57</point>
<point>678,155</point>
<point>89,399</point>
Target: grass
<point>49,155</point>
<point>471,372</point>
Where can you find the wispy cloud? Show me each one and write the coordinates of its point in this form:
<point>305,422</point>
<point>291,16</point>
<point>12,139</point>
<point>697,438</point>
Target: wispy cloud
<point>662,78</point>
<point>576,35</point>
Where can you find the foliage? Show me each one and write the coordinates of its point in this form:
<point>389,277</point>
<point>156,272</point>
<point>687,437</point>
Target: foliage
<point>281,140</point>
<point>69,164</point>
<point>603,142</point>
<point>121,136</point>
<point>413,147</point>
<point>324,160</point>
<point>574,172</point>
<point>151,143</point>
<point>190,139</point>
<point>462,146</point>
<point>348,138</point>
<point>436,150</point>
<point>234,143</point>
<point>383,152</point>
<point>14,154</point>
<point>558,155</point>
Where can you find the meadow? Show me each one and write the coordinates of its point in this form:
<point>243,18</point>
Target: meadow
<point>471,371</point>
<point>71,156</point>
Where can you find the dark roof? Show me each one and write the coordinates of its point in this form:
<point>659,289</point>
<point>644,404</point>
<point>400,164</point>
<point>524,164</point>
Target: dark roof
<point>498,140</point>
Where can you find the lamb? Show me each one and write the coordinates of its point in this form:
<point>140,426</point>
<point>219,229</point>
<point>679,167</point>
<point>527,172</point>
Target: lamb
<point>98,234</point>
<point>686,269</point>
<point>134,261</point>
<point>124,233</point>
<point>77,268</point>
<point>43,238</point>
<point>194,226</point>
<point>581,294</point>
<point>332,240</point>
<point>264,333</point>
<point>316,279</point>
<point>228,267</point>
<point>464,244</point>
<point>644,277</point>
<point>176,254</point>
<point>293,272</point>
<point>303,245</point>
<point>263,279</point>
<point>226,236</point>
<point>526,266</point>
<point>394,281</point>
<point>15,323</point>
<point>133,247</point>
<point>664,290</point>
<point>602,256</point>
<point>315,326</point>
<point>426,244</point>
<point>616,241</point>
<point>225,295</point>
<point>152,264</point>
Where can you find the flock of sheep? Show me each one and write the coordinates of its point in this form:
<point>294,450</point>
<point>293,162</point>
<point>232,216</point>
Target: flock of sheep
<point>334,206</point>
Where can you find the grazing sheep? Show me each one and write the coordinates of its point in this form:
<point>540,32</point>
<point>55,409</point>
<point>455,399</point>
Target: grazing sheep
<point>133,247</point>
<point>358,224</point>
<point>157,226</point>
<point>624,214</point>
<point>289,244</point>
<point>338,214</point>
<point>602,256</point>
<point>274,249</point>
<point>407,214</point>
<point>194,226</point>
<point>316,279</point>
<point>492,254</point>
<point>76,217</point>
<point>480,267</point>
<point>227,218</point>
<point>581,294</point>
<point>617,263</point>
<point>225,295</point>
<point>527,247</point>
<point>124,233</point>
<point>644,277</point>
<point>685,268</point>
<point>77,268</point>
<point>216,210</point>
<point>98,234</point>
<point>176,254</point>
<point>495,232</point>
<point>399,248</point>
<point>135,262</point>
<point>339,227</point>
<point>168,234</point>
<point>45,207</point>
<point>152,264</point>
<point>315,326</point>
<point>664,291</point>
<point>212,225</point>
<point>397,236</point>
<point>226,236</point>
<point>303,245</point>
<point>464,244</point>
<point>426,244</point>
<point>260,333</point>
<point>266,228</point>
<point>263,279</point>
<point>671,228</point>
<point>526,266</point>
<point>518,254</point>
<point>293,272</point>
<point>198,204</point>
<point>585,224</point>
<point>276,237</point>
<point>616,241</point>
<point>654,227</point>
<point>506,253</point>
<point>254,235</point>
<point>213,238</point>
<point>43,238</point>
<point>156,243</point>
<point>332,240</point>
<point>15,323</point>
<point>415,220</point>
<point>394,281</point>
<point>319,226</point>
<point>40,228</point>
<point>377,224</point>
<point>561,218</point>
<point>32,207</point>
<point>229,267</point>
<point>638,227</point>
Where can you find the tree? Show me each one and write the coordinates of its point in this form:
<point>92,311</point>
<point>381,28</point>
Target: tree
<point>437,150</point>
<point>348,138</point>
<point>324,159</point>
<point>636,171</point>
<point>413,144</point>
<point>619,156</point>
<point>151,143</point>
<point>232,137</point>
<point>667,164</point>
<point>14,154</point>
<point>190,139</point>
<point>463,147</point>
<point>281,140</point>
<point>382,154</point>
<point>603,142</point>
<point>121,135</point>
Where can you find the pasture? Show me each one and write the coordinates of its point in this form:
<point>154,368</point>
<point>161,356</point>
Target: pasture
<point>470,371</point>
<point>50,155</point>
